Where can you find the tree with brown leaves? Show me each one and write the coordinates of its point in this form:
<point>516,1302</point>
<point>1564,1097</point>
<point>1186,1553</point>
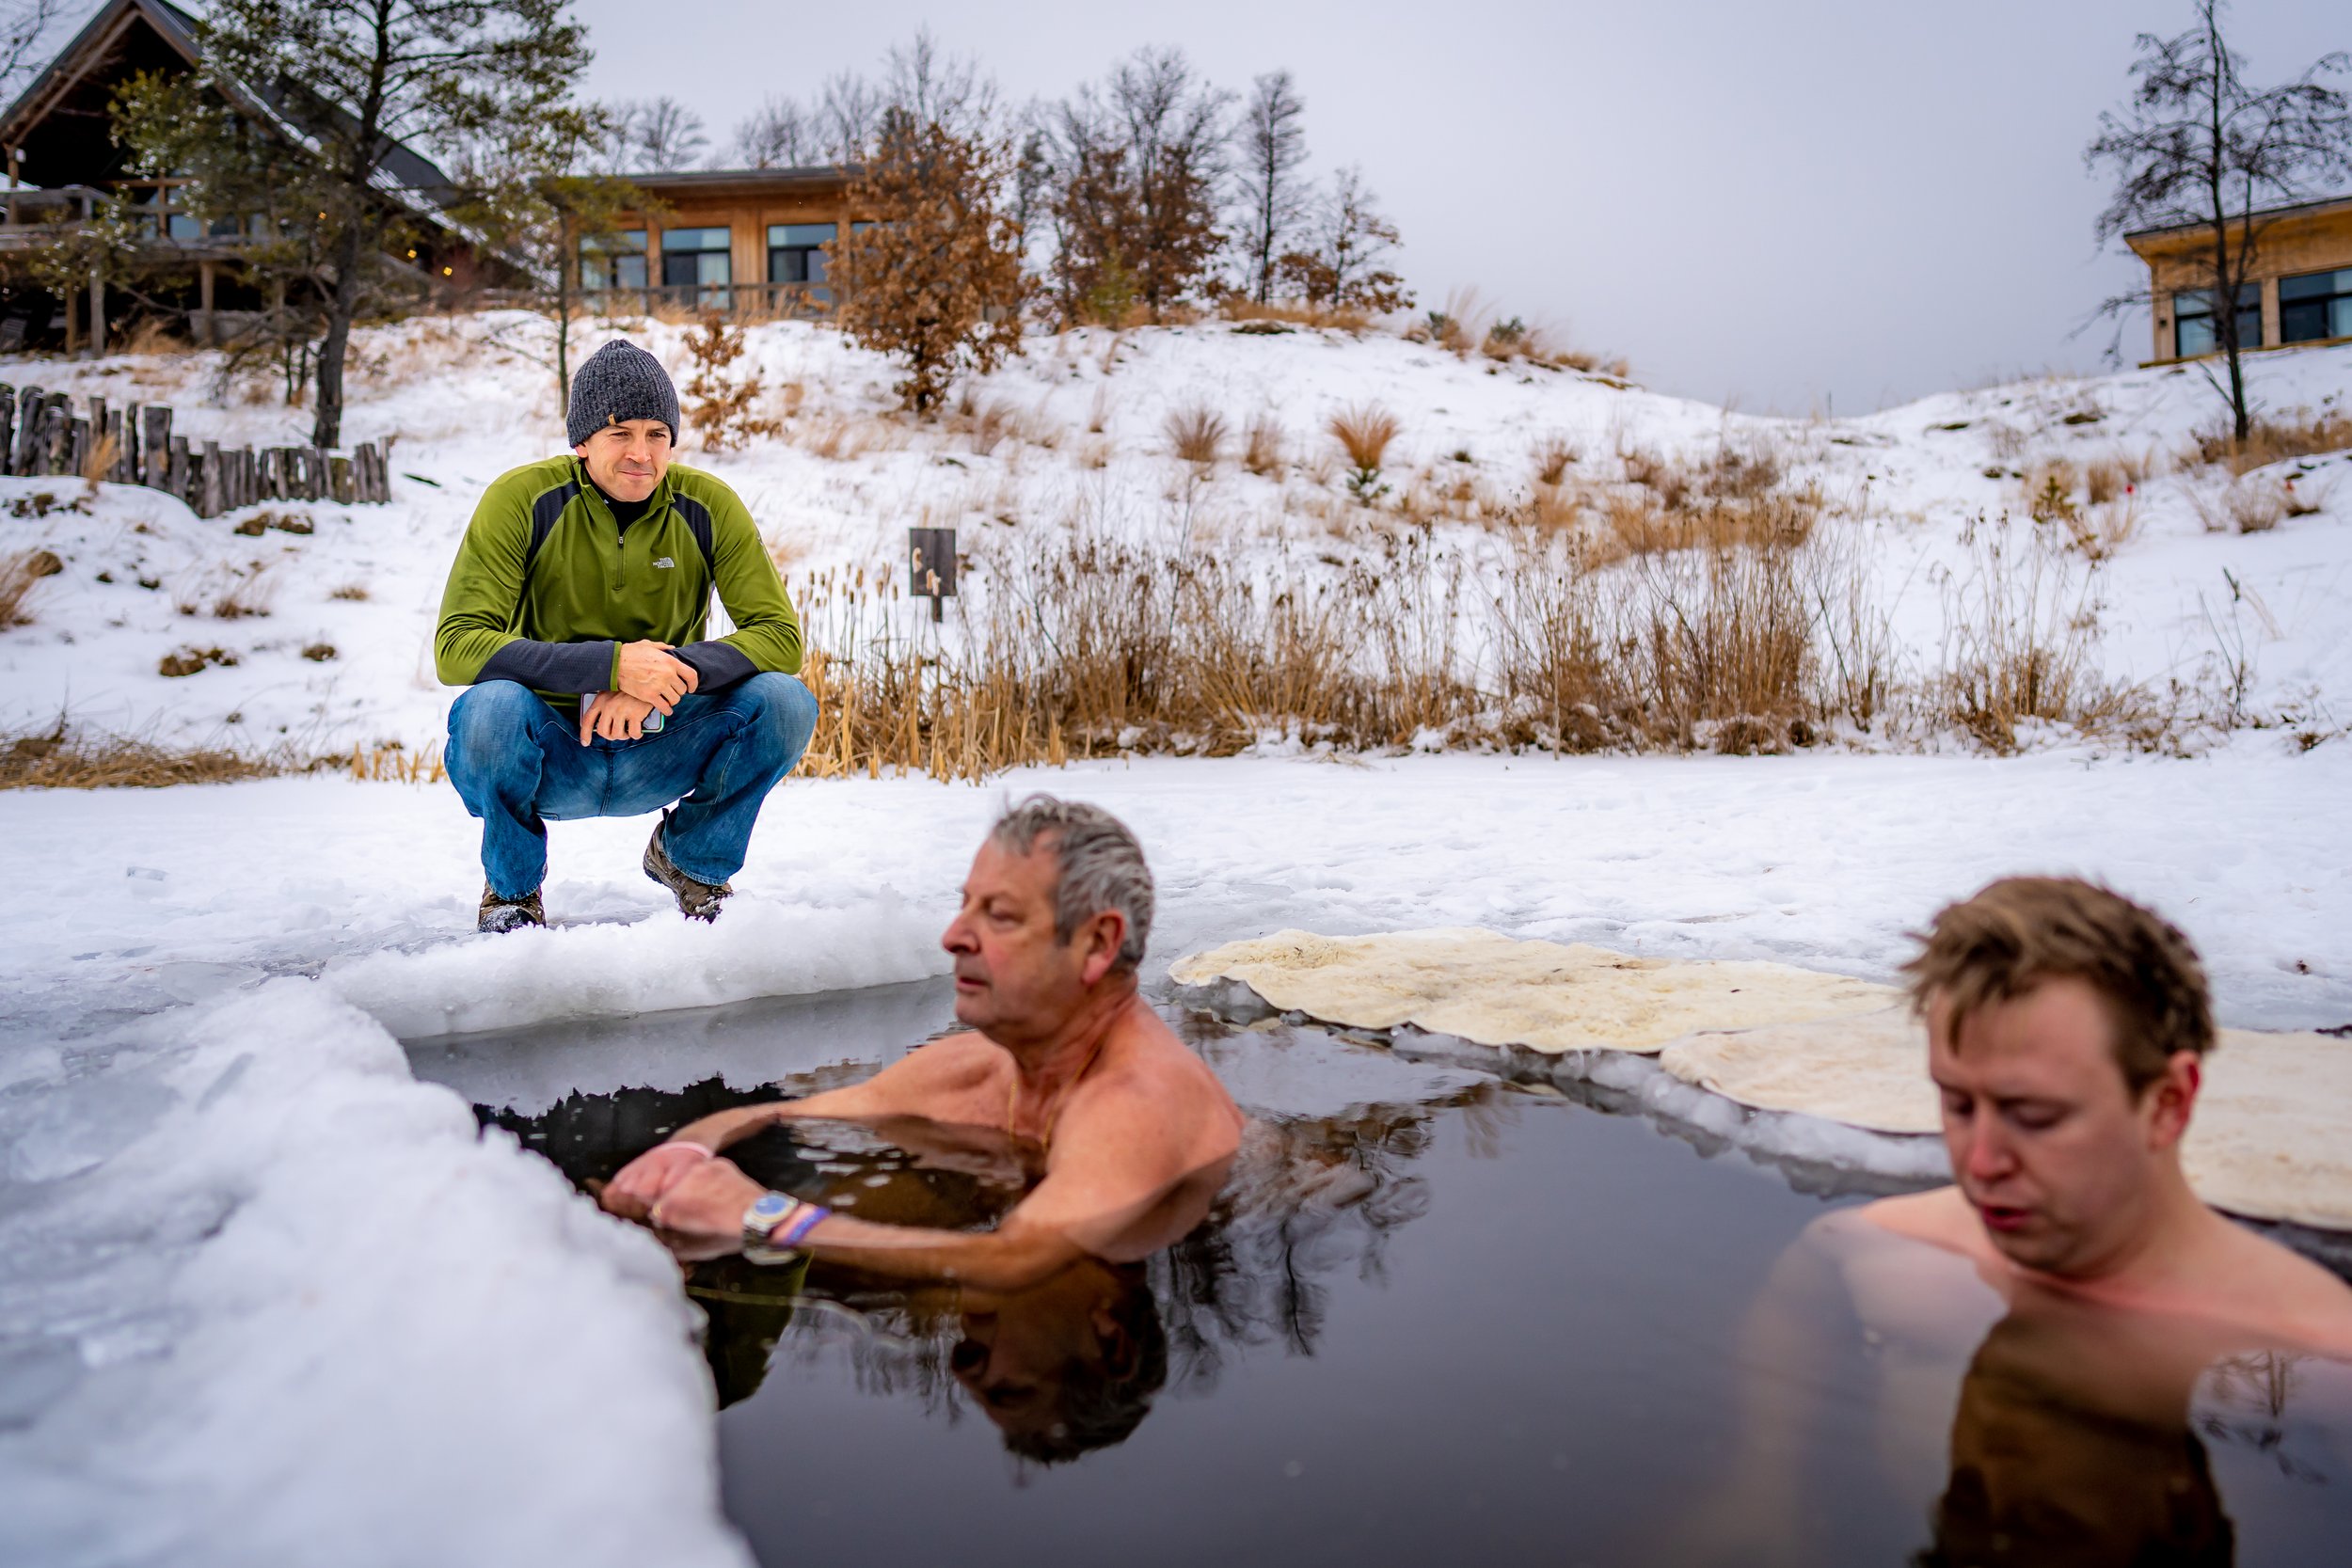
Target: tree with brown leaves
<point>1351,239</point>
<point>936,280</point>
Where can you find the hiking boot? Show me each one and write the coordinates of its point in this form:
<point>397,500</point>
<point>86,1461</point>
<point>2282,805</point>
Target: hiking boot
<point>695,901</point>
<point>505,914</point>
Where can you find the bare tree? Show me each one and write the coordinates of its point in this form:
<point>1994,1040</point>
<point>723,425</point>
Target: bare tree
<point>2196,145</point>
<point>1138,163</point>
<point>1349,241</point>
<point>660,135</point>
<point>849,116</point>
<point>778,135</point>
<point>23,35</point>
<point>945,90</point>
<point>1273,196</point>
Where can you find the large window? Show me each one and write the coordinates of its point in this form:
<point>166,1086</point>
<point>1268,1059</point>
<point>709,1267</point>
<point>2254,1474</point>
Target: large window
<point>793,256</point>
<point>615,260</point>
<point>2318,305</point>
<point>697,256</point>
<point>2193,330</point>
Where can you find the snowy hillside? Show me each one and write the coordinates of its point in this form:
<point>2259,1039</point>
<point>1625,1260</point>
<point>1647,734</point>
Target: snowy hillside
<point>329,632</point>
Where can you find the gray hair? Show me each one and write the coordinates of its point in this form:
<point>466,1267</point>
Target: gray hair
<point>1100,866</point>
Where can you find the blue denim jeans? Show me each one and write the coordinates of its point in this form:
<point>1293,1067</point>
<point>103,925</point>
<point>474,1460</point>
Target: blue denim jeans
<point>518,764</point>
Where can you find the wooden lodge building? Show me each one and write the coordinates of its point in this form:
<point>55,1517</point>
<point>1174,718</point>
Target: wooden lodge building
<point>743,242</point>
<point>2300,290</point>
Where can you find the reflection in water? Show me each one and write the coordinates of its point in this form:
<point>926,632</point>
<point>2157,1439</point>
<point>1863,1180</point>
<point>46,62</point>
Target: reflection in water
<point>2050,1466</point>
<point>1072,1365</point>
<point>1599,1322</point>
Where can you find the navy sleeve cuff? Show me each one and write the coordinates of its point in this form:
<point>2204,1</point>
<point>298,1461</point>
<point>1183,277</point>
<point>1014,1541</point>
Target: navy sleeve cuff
<point>716,665</point>
<point>553,666</point>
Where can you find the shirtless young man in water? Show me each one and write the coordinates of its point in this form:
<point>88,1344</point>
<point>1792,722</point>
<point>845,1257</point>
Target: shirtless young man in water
<point>2036,1361</point>
<point>1133,1129</point>
<point>2067,1030</point>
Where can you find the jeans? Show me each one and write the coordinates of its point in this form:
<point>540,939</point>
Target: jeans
<point>518,764</point>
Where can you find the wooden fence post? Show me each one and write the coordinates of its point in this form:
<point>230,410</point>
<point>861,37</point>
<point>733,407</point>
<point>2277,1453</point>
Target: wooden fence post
<point>182,478</point>
<point>155,456</point>
<point>208,488</point>
<point>339,482</point>
<point>7,427</point>
<point>27,430</point>
<point>78,452</point>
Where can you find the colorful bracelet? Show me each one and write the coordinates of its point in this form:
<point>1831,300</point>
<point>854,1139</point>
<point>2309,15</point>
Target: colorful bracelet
<point>808,1219</point>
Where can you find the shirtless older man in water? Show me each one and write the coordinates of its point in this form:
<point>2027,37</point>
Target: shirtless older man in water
<point>2037,1359</point>
<point>1133,1131</point>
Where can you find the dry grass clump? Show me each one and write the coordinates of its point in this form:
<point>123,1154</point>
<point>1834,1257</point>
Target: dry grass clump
<point>2104,480</point>
<point>98,464</point>
<point>188,661</point>
<point>2019,633</point>
<point>1196,434</point>
<point>354,593</point>
<point>61,758</point>
<point>2249,503</point>
<point>18,571</point>
<point>1262,443</point>
<point>845,439</point>
<point>1736,496</point>
<point>389,762</point>
<point>2275,439</point>
<point>1555,454</point>
<point>1363,431</point>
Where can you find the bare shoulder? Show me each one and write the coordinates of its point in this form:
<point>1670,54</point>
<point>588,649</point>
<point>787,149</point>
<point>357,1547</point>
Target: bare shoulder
<point>2290,1294</point>
<point>1157,1088</point>
<point>928,1080</point>
<point>1940,1217</point>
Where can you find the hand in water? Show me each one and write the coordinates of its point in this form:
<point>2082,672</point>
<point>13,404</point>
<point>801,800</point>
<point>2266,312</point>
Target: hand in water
<point>644,1180</point>
<point>706,1204</point>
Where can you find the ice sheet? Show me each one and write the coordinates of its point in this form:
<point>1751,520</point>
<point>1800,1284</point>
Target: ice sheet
<point>266,1299</point>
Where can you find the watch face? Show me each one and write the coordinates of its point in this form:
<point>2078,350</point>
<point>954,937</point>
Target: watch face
<point>771,1207</point>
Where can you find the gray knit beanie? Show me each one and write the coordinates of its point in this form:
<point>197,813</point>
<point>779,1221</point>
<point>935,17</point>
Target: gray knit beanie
<point>620,381</point>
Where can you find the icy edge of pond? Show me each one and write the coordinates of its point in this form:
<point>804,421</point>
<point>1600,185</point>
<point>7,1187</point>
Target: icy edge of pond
<point>1813,1154</point>
<point>265,1296</point>
<point>756,948</point>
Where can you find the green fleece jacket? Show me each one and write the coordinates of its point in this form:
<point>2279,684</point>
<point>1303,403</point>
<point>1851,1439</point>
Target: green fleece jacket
<point>557,625</point>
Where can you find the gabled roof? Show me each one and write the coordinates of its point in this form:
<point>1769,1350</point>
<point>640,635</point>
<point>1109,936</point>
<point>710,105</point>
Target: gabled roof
<point>405,174</point>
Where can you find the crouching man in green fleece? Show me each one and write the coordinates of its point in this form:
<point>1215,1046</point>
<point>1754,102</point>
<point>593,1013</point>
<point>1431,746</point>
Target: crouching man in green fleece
<point>574,616</point>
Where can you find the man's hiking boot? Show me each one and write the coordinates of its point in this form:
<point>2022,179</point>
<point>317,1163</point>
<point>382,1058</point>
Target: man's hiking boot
<point>695,901</point>
<point>505,914</point>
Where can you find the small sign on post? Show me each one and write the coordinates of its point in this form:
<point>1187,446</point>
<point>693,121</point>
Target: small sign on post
<point>932,567</point>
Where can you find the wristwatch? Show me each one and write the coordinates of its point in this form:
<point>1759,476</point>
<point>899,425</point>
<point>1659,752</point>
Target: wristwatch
<point>777,1215</point>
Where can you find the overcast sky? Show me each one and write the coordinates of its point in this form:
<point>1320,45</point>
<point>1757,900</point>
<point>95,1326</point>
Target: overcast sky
<point>1790,205</point>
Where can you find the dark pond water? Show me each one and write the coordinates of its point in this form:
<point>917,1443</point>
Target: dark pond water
<point>1434,1318</point>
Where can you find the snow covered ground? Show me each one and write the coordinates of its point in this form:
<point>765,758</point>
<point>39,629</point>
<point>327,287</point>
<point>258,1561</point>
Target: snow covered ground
<point>1075,430</point>
<point>261,1291</point>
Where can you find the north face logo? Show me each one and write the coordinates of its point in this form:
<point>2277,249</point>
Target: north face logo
<point>666,560</point>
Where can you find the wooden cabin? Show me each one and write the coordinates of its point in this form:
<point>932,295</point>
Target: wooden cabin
<point>61,164</point>
<point>2298,290</point>
<point>746,242</point>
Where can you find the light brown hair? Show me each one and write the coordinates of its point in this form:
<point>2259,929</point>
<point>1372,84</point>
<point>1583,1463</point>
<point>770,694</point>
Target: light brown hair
<point>2023,931</point>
